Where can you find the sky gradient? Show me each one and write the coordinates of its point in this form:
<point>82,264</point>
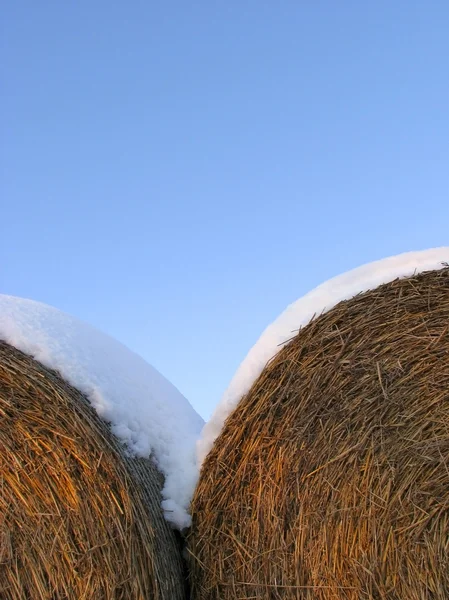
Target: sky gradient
<point>176,173</point>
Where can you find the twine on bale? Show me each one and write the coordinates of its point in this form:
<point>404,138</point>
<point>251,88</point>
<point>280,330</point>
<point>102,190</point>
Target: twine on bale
<point>330,480</point>
<point>79,518</point>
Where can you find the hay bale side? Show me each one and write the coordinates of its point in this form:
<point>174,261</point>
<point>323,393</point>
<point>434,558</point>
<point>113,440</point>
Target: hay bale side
<point>79,519</point>
<point>330,480</point>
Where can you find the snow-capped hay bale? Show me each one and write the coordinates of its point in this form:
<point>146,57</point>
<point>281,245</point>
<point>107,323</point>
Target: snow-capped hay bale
<point>79,518</point>
<point>330,479</point>
<point>145,411</point>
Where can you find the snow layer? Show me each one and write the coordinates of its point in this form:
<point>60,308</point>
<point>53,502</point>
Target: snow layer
<point>145,410</point>
<point>300,313</point>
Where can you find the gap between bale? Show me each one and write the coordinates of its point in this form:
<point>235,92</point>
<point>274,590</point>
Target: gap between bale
<point>330,480</point>
<point>79,518</point>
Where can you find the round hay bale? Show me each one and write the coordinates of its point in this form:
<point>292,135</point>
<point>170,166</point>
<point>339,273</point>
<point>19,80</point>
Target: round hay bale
<point>330,480</point>
<point>79,519</point>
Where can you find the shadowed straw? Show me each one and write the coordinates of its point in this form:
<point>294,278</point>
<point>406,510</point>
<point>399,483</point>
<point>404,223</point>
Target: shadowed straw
<point>78,518</point>
<point>330,480</point>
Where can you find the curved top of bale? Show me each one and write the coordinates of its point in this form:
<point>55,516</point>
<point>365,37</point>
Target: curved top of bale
<point>79,517</point>
<point>330,479</point>
<point>145,411</point>
<point>301,312</point>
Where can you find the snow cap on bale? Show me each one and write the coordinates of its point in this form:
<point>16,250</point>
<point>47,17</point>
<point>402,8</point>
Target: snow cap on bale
<point>329,480</point>
<point>88,442</point>
<point>301,312</point>
<point>146,412</point>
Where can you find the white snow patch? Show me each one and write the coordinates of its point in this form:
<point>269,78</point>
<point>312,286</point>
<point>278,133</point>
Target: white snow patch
<point>145,410</point>
<point>300,313</point>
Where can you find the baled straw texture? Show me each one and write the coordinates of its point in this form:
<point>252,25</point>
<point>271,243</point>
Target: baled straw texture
<point>79,519</point>
<point>330,480</point>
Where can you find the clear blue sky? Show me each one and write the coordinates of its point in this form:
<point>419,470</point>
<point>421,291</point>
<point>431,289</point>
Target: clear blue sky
<point>176,172</point>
